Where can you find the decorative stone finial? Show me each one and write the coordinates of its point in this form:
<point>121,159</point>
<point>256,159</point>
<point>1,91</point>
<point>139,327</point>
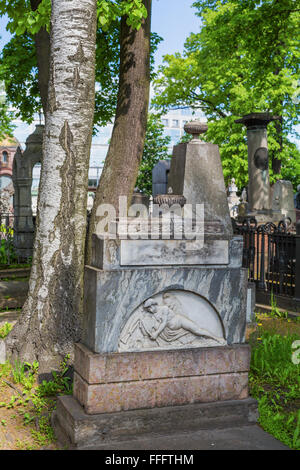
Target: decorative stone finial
<point>169,199</point>
<point>196,128</point>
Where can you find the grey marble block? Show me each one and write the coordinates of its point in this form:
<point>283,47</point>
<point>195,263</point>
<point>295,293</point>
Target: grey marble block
<point>107,253</point>
<point>112,296</point>
<point>173,252</point>
<point>196,172</point>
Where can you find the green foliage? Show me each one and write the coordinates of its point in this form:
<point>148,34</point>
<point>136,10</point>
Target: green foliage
<point>275,383</point>
<point>24,373</point>
<point>59,384</point>
<point>107,71</point>
<point>108,11</point>
<point>155,149</point>
<point>18,70</point>
<point>5,329</point>
<point>6,126</point>
<point>35,403</point>
<point>244,59</point>
<point>23,19</point>
<point>7,252</point>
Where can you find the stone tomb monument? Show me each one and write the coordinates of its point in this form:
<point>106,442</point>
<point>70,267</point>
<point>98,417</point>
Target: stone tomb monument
<point>22,180</point>
<point>160,174</point>
<point>283,200</point>
<point>165,315</point>
<point>259,189</point>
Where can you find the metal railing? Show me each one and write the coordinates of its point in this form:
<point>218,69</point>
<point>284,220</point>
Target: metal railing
<point>8,254</point>
<point>270,255</point>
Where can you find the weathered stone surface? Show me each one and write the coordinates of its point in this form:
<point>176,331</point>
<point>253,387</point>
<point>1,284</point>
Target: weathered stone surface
<point>283,200</point>
<point>251,296</point>
<point>258,166</point>
<point>196,172</point>
<point>113,397</point>
<point>160,177</point>
<point>105,383</point>
<point>170,320</point>
<point>150,365</point>
<point>22,180</point>
<point>76,428</point>
<point>112,296</point>
<point>173,252</point>
<point>210,247</point>
<point>2,352</point>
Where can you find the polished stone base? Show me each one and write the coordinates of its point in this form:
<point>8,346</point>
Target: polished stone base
<point>112,382</point>
<point>75,429</point>
<point>122,396</point>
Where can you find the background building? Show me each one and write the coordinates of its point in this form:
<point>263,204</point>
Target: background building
<point>173,123</point>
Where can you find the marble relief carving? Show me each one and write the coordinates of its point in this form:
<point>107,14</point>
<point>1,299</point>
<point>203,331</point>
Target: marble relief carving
<point>166,321</point>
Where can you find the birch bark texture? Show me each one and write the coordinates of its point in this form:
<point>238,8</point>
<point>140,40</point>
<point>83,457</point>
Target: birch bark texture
<point>125,151</point>
<point>52,315</point>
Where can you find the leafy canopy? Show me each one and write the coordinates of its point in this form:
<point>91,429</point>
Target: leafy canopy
<point>19,66</point>
<point>6,126</point>
<point>244,59</point>
<point>23,19</point>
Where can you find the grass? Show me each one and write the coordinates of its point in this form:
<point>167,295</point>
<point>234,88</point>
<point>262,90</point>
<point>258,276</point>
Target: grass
<point>5,329</point>
<point>274,378</point>
<point>26,406</point>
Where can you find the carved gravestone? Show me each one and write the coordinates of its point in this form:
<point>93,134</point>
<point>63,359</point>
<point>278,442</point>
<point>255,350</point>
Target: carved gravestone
<point>259,190</point>
<point>22,180</point>
<point>160,174</point>
<point>164,326</point>
<point>283,200</point>
<point>233,199</point>
<point>196,172</point>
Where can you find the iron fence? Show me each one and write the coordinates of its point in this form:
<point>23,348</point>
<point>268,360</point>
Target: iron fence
<point>9,255</point>
<point>271,255</point>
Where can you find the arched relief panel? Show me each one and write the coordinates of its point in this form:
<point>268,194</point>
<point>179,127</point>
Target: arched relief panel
<point>172,319</point>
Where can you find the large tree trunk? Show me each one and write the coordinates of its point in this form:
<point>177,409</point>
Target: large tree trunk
<point>51,318</point>
<point>127,142</point>
<point>42,46</point>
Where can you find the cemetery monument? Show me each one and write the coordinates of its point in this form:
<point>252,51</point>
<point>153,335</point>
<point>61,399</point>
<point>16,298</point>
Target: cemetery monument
<point>165,315</point>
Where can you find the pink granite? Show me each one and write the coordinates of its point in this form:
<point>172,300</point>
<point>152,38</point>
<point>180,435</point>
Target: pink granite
<point>150,365</point>
<point>113,397</point>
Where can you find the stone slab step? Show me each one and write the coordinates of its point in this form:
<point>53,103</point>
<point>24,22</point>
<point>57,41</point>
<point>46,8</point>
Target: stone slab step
<point>75,428</point>
<point>250,437</point>
<point>13,294</point>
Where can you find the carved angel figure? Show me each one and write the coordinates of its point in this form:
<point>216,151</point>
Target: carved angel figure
<point>173,323</point>
<point>163,325</point>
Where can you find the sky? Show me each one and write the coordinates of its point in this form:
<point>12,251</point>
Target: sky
<point>173,20</point>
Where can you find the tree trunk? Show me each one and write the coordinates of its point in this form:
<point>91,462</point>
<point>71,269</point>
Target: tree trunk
<point>276,162</point>
<point>126,147</point>
<point>51,318</point>
<point>42,46</point>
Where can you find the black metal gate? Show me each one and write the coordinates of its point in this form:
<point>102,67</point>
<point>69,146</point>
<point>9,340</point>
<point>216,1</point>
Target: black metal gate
<point>272,256</point>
